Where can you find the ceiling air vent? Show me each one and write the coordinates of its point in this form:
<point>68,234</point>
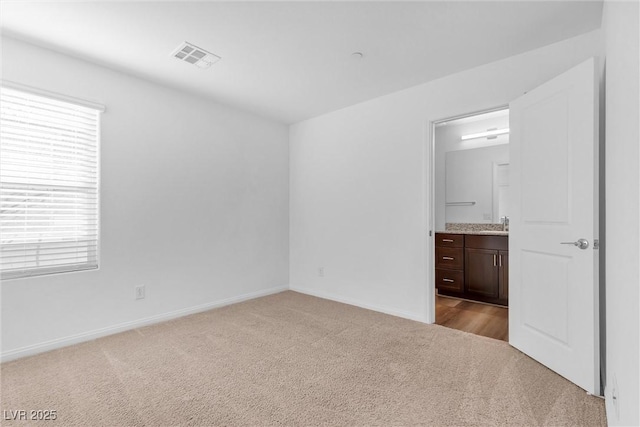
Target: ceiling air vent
<point>195,55</point>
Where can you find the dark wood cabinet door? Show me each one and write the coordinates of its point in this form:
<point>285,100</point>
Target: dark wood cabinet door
<point>481,272</point>
<point>503,285</point>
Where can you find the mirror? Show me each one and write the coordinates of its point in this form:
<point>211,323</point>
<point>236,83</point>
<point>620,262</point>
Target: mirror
<point>472,176</point>
<point>475,184</point>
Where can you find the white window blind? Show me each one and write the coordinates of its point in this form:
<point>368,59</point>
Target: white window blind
<point>48,185</point>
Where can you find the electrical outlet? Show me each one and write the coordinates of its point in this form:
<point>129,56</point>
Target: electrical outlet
<point>320,271</point>
<point>139,292</point>
<point>615,398</point>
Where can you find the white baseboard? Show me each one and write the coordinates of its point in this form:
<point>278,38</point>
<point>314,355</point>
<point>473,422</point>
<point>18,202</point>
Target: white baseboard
<point>121,327</point>
<point>381,309</point>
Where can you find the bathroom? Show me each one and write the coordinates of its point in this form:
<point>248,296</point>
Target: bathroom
<point>471,156</point>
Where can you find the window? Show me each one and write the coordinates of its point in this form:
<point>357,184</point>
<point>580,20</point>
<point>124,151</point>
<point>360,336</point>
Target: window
<point>48,185</point>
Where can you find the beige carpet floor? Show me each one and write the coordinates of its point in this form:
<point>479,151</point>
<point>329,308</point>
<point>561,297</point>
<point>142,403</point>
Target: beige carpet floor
<point>292,359</point>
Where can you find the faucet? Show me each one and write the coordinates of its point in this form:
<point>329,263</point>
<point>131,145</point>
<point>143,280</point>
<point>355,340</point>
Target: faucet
<point>505,223</point>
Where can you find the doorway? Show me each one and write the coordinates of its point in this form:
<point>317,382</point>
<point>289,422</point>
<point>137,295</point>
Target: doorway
<point>471,179</point>
<point>552,253</point>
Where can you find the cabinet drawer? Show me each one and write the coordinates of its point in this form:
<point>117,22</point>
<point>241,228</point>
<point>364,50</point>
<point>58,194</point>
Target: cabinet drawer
<point>447,240</point>
<point>487,242</point>
<point>450,280</point>
<point>450,258</point>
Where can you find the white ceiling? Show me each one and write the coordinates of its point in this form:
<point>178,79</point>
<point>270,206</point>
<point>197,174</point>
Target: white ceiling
<point>292,60</point>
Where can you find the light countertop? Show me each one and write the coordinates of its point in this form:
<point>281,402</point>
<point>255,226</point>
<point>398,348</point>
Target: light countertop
<point>476,232</point>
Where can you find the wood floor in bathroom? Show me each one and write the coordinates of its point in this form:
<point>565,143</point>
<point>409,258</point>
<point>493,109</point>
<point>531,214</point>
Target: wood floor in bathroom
<point>480,319</point>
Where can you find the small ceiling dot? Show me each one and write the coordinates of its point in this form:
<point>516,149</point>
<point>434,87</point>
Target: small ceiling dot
<point>357,55</point>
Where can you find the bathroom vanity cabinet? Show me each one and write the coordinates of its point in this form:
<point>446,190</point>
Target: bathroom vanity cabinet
<point>450,263</point>
<point>473,266</point>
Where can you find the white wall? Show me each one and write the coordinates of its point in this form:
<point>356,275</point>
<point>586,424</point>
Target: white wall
<point>621,34</point>
<point>194,205</point>
<point>359,199</point>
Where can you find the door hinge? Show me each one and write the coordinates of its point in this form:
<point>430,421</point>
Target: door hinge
<point>596,244</point>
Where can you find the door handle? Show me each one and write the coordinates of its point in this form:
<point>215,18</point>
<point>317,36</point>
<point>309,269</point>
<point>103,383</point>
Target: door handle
<point>448,280</point>
<point>448,240</point>
<point>448,258</point>
<point>494,260</point>
<point>581,243</point>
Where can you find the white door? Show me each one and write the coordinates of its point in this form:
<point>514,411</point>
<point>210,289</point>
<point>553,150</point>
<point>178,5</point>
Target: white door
<point>553,286</point>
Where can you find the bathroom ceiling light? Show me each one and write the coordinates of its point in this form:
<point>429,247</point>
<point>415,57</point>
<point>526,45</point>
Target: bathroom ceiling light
<point>487,134</point>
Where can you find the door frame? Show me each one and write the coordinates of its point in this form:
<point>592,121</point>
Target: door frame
<point>430,314</point>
